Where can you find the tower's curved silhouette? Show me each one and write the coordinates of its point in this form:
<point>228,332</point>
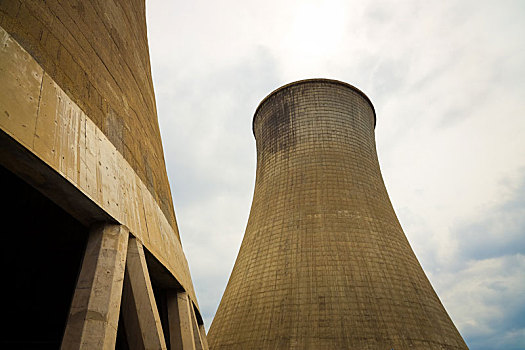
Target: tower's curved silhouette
<point>324,263</point>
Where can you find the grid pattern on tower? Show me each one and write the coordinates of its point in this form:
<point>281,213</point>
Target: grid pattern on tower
<point>324,263</point>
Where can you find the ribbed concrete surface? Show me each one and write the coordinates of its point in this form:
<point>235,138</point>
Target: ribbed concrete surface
<point>324,263</point>
<point>97,52</point>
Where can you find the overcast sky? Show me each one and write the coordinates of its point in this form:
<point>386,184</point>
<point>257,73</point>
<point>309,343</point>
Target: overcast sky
<point>448,84</point>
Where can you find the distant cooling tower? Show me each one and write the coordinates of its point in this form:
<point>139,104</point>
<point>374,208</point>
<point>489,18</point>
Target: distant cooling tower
<point>324,263</point>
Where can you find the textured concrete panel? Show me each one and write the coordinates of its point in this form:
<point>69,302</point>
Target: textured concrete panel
<point>97,52</point>
<point>21,79</point>
<point>180,321</point>
<point>324,263</point>
<point>94,313</point>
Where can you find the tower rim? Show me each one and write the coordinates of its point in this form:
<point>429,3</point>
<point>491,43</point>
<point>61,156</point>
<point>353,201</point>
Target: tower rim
<point>313,80</point>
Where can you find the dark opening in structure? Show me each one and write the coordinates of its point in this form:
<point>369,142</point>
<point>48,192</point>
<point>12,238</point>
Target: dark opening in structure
<point>41,257</point>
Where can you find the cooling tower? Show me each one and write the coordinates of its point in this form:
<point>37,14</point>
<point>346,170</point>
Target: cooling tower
<point>324,263</point>
<point>91,241</point>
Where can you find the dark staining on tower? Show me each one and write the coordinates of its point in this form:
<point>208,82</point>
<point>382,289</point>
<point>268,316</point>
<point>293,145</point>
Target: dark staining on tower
<point>324,263</point>
<point>277,126</point>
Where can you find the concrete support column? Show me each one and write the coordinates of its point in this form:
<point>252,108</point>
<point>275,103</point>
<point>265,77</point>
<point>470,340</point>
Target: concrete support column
<point>202,332</point>
<point>198,336</point>
<point>139,309</point>
<point>94,313</point>
<point>180,321</point>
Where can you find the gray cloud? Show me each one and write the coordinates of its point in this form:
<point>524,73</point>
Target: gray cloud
<point>500,230</point>
<point>485,298</point>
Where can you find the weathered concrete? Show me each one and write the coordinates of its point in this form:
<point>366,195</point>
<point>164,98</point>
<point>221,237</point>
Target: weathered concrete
<point>78,122</point>
<point>55,146</point>
<point>199,338</point>
<point>180,321</point>
<point>324,263</point>
<point>204,339</point>
<point>139,309</point>
<point>94,313</point>
<point>97,52</point>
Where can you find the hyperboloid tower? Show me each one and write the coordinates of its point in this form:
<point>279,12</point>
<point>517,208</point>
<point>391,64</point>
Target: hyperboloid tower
<point>91,256</point>
<point>324,263</point>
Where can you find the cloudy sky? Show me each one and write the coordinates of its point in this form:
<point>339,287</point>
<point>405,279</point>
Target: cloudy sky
<point>447,79</point>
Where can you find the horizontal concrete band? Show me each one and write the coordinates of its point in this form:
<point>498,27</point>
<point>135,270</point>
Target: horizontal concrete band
<point>56,133</point>
<point>97,52</point>
<point>310,81</point>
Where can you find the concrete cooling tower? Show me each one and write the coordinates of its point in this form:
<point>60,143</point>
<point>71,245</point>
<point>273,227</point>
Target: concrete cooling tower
<point>324,263</point>
<point>92,257</point>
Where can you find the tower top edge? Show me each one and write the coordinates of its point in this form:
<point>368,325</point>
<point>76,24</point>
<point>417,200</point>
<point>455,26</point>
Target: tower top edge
<point>315,80</point>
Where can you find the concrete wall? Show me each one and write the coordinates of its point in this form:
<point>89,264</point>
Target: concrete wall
<point>97,52</point>
<point>78,118</point>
